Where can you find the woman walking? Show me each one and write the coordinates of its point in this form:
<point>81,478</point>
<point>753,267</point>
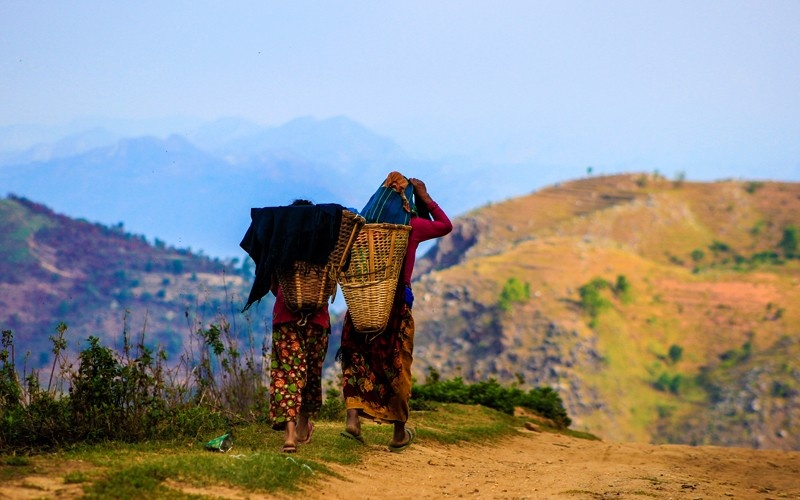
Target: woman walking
<point>376,370</point>
<point>299,338</point>
<point>299,345</point>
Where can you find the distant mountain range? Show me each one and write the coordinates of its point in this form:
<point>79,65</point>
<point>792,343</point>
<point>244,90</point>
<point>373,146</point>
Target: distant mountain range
<point>194,189</point>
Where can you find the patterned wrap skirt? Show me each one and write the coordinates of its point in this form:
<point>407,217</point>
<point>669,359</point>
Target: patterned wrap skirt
<point>376,369</point>
<point>295,386</point>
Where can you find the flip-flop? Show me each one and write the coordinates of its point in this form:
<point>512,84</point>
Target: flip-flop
<point>308,436</point>
<point>354,437</point>
<point>289,448</point>
<point>398,448</point>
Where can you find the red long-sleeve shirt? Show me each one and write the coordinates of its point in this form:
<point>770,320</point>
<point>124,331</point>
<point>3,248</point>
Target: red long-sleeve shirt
<point>423,230</point>
<point>282,314</point>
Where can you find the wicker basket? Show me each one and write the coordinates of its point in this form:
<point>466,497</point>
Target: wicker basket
<point>370,283</point>
<point>307,287</point>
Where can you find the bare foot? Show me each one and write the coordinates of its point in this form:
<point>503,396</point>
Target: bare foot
<point>353,424</point>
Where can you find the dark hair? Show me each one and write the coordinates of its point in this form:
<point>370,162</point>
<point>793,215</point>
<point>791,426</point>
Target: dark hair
<point>300,202</point>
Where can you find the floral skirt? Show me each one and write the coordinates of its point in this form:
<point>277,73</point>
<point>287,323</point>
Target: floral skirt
<point>376,370</point>
<point>295,386</point>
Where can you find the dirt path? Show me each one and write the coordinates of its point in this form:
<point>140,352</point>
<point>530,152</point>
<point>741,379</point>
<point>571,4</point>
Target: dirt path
<point>540,465</point>
<point>530,465</point>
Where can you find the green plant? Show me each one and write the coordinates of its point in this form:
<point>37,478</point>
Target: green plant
<point>790,241</point>
<point>753,186</point>
<point>10,390</point>
<point>622,289</point>
<point>675,353</point>
<point>666,382</point>
<point>129,395</point>
<point>592,301</point>
<point>332,406</point>
<point>542,400</point>
<point>514,291</point>
<point>719,247</point>
<point>732,357</point>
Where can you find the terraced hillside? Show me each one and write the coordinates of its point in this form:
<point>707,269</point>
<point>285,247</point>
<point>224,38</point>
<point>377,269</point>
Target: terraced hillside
<point>662,311</point>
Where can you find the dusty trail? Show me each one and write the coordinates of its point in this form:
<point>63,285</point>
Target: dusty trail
<point>529,465</point>
<point>541,465</point>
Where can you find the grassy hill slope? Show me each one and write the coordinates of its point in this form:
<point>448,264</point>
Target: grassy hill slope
<point>643,301</point>
<point>102,280</point>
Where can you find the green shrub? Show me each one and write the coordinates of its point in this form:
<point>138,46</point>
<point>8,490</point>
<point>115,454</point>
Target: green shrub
<point>129,395</point>
<point>514,291</point>
<point>790,241</point>
<point>542,400</point>
<point>753,186</point>
<point>333,406</point>
<point>10,390</point>
<point>592,300</point>
<point>675,353</point>
<point>622,289</point>
<point>719,247</point>
<point>669,383</point>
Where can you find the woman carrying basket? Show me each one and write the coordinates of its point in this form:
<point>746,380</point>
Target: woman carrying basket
<point>376,370</point>
<point>299,346</point>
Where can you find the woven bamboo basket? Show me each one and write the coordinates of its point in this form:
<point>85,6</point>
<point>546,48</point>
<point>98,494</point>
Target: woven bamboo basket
<point>308,287</point>
<point>370,283</point>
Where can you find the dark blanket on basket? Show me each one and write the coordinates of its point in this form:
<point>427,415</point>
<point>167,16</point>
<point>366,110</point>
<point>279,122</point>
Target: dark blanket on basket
<point>280,236</point>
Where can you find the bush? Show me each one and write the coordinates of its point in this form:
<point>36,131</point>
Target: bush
<point>542,400</point>
<point>666,382</point>
<point>622,289</point>
<point>514,291</point>
<point>675,353</point>
<point>790,241</point>
<point>128,396</point>
<point>333,406</point>
<point>591,299</point>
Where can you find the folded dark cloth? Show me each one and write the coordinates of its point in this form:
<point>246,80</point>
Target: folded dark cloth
<point>280,236</point>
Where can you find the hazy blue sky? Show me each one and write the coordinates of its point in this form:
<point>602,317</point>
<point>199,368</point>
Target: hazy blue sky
<point>711,88</point>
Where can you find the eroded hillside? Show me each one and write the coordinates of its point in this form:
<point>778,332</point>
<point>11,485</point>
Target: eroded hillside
<point>101,281</point>
<point>661,310</point>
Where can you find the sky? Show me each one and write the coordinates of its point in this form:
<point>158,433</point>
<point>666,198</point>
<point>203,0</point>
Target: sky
<point>707,88</point>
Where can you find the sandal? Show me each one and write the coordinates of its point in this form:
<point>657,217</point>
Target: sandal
<point>354,437</point>
<point>400,447</point>
<point>289,448</point>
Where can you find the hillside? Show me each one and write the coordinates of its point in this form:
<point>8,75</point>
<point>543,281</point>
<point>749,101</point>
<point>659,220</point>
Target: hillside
<point>102,281</point>
<point>662,311</point>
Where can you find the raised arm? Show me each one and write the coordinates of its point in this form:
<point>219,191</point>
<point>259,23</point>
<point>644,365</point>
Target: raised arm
<point>425,229</point>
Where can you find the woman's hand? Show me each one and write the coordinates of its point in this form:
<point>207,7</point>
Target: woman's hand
<point>420,191</point>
